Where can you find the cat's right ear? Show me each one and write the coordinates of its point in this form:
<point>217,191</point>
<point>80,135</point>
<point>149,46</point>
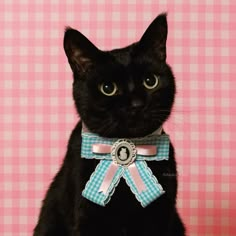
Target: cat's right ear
<point>80,52</point>
<point>154,38</point>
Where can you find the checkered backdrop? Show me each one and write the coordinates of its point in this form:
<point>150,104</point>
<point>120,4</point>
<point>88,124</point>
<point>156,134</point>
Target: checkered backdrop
<point>37,112</point>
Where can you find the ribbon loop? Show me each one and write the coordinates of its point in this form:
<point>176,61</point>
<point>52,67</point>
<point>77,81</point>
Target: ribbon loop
<point>144,150</point>
<point>101,148</point>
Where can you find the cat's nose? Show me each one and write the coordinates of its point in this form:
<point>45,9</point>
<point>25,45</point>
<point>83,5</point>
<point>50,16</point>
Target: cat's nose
<point>137,103</point>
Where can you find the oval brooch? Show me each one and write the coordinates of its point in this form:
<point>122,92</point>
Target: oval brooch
<point>123,152</point>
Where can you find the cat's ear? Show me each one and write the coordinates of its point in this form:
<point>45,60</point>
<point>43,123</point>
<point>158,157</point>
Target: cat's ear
<point>154,38</point>
<point>81,53</point>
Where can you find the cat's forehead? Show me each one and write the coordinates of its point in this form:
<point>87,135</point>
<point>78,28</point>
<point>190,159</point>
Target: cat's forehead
<point>123,55</point>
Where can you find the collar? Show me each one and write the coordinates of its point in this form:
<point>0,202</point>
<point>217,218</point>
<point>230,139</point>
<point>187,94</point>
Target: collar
<point>124,158</point>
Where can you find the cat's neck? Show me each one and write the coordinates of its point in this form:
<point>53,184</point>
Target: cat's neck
<point>156,132</point>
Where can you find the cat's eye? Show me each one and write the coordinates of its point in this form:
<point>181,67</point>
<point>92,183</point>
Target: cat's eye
<point>151,82</point>
<point>108,88</point>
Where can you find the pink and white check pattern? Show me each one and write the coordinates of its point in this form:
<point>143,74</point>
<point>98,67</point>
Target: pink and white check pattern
<point>37,111</point>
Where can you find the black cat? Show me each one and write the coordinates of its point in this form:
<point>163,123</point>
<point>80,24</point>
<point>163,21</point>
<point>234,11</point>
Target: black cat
<point>123,93</point>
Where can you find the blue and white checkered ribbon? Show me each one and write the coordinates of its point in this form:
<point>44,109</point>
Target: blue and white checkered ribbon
<point>151,191</point>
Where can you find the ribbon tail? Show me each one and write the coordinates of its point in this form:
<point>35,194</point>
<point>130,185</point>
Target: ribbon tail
<point>102,182</point>
<point>140,185</point>
<point>143,183</point>
<point>108,178</point>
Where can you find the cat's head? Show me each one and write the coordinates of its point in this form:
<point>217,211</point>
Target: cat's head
<point>127,92</point>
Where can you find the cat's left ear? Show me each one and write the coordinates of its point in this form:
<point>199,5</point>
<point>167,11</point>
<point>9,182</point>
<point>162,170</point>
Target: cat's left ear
<point>154,38</point>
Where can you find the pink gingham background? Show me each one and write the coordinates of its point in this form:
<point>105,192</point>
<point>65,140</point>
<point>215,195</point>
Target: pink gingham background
<point>37,112</point>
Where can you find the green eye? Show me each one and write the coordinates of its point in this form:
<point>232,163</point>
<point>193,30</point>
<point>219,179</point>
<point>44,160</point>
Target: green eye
<point>108,88</point>
<point>151,82</point>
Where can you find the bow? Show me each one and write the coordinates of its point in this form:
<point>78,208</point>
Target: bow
<point>123,158</point>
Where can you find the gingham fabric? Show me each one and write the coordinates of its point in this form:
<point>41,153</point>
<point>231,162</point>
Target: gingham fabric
<point>37,111</point>
<point>91,190</point>
<point>153,188</point>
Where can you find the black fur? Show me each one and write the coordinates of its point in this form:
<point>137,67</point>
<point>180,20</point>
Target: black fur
<point>133,111</point>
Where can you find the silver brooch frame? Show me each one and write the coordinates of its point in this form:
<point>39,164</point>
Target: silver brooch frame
<point>123,152</point>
